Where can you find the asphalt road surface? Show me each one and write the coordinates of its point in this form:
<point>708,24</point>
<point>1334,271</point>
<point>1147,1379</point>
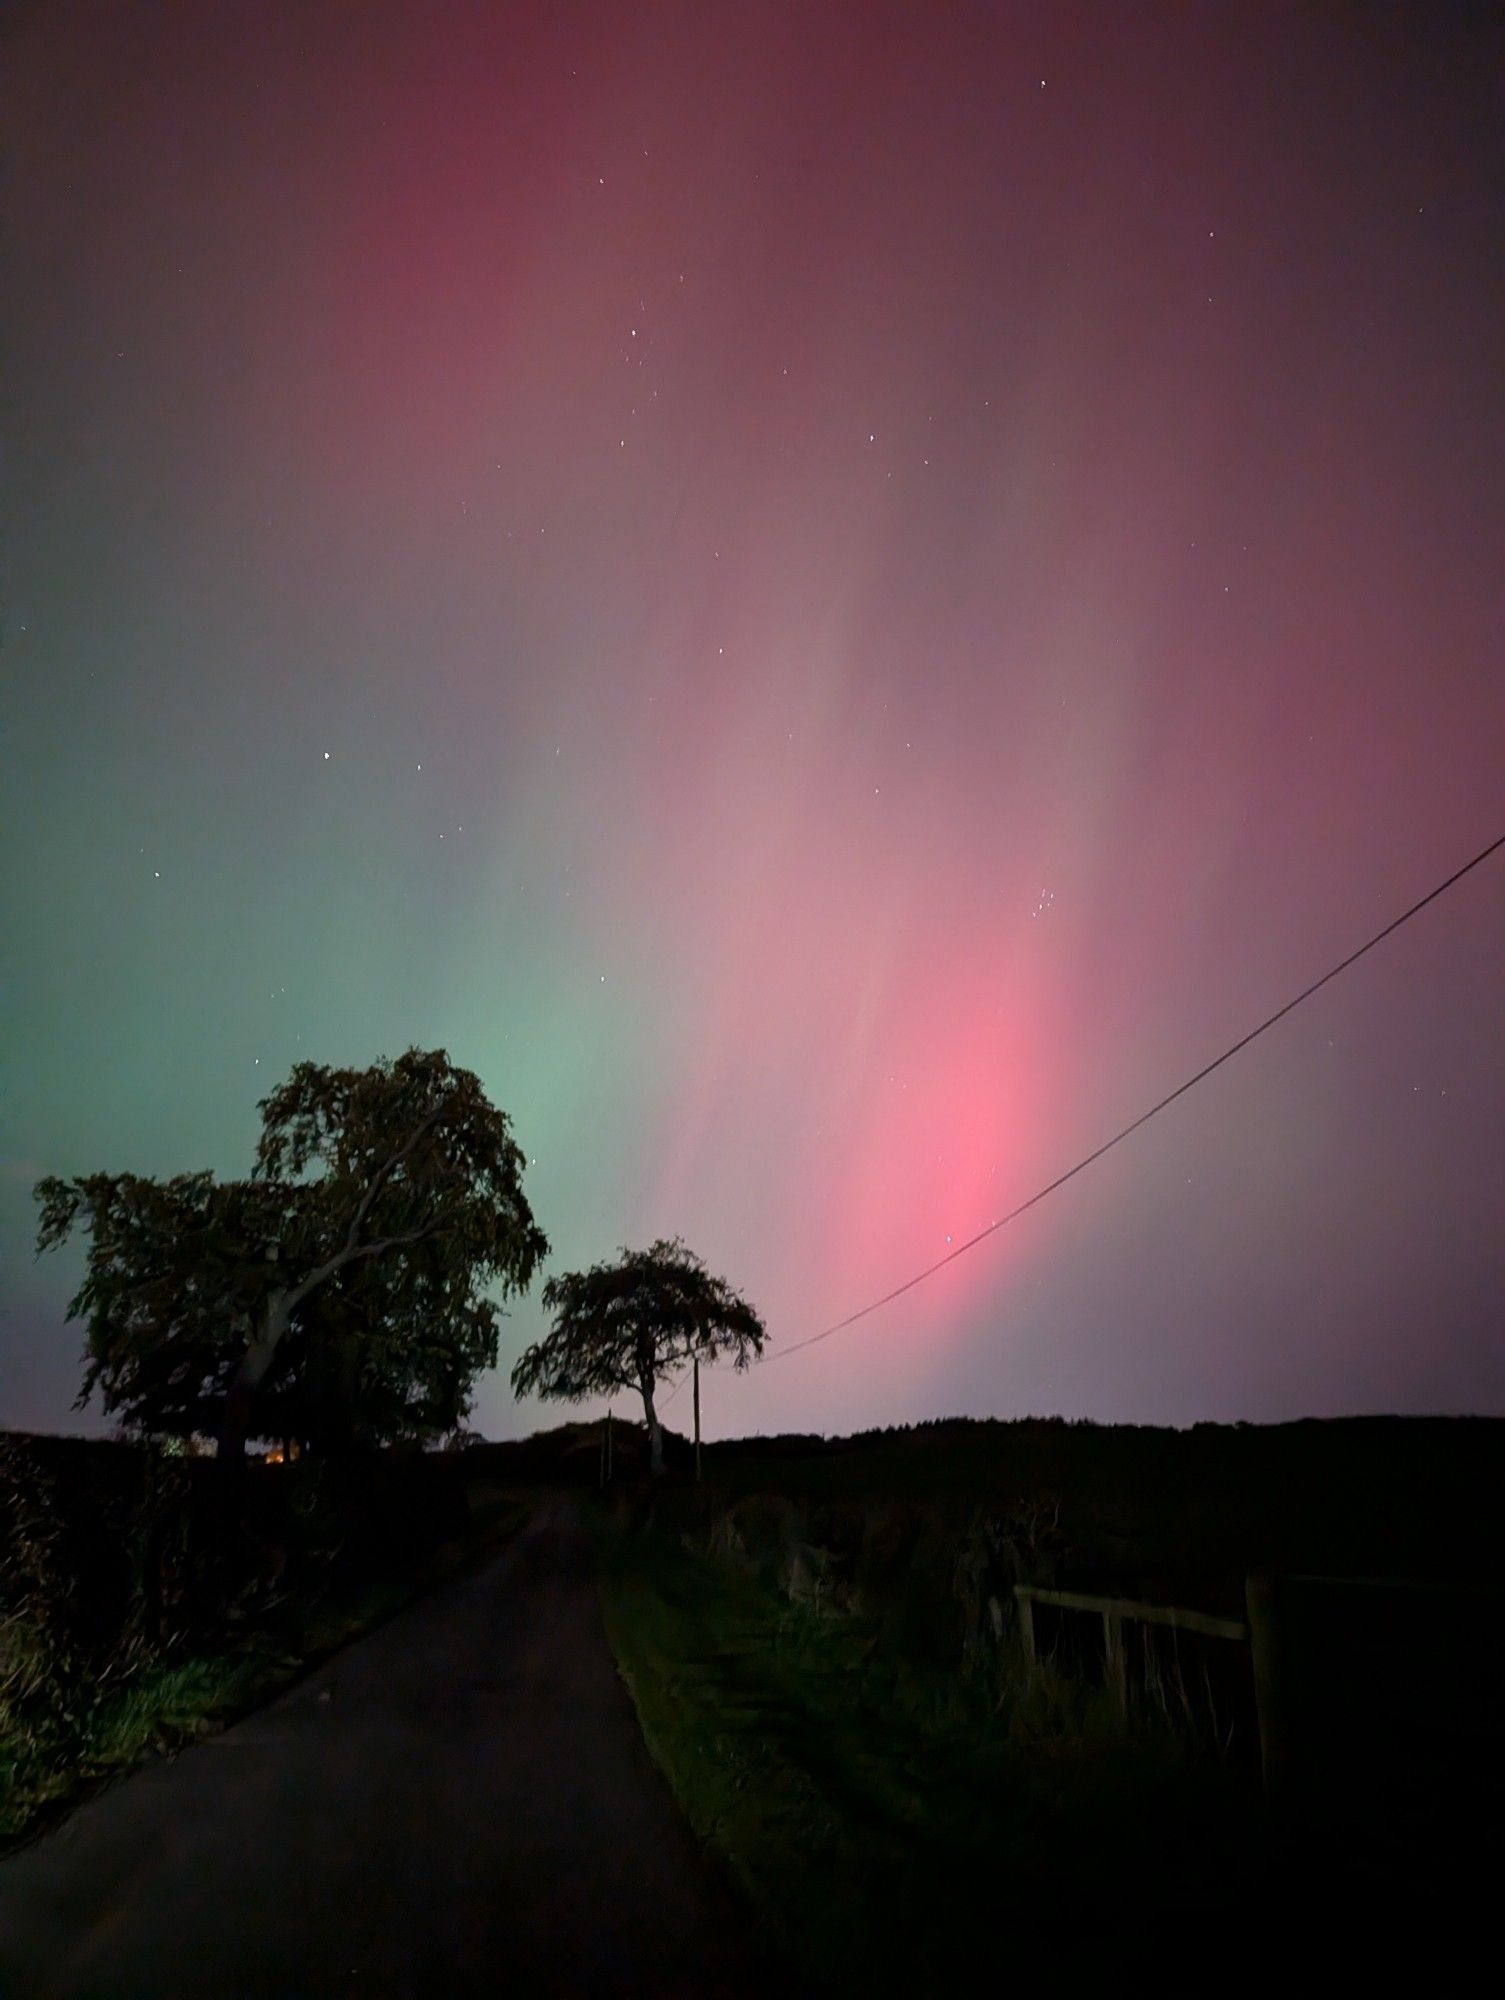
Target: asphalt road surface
<point>459,1804</point>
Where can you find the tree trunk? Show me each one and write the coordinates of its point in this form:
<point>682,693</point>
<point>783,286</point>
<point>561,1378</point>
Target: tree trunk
<point>655,1428</point>
<point>235,1425</point>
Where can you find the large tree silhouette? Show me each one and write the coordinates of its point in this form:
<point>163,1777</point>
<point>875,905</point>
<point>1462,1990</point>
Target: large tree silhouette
<point>382,1202</point>
<point>627,1324</point>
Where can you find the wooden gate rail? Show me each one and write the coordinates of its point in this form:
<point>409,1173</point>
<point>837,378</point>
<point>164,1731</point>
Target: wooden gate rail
<point>1261,1630</point>
<point>1113,1611</point>
<point>1128,1607</point>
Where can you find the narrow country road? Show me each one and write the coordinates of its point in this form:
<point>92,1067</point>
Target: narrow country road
<point>459,1804</point>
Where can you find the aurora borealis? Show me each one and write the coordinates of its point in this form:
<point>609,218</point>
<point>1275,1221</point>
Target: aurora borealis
<point>832,597</point>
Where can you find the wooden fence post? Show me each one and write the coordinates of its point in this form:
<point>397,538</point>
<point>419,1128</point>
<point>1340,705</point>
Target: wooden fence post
<point>1114,1663</point>
<point>1026,1624</point>
<point>697,1417</point>
<point>1262,1602</point>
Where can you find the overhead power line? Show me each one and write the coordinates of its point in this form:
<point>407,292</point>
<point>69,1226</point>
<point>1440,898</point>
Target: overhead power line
<point>838,1326</point>
<point>1144,1117</point>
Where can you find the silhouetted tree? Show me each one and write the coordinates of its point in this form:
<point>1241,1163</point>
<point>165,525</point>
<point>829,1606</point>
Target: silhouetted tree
<point>360,1367</point>
<point>625,1325</point>
<point>381,1203</point>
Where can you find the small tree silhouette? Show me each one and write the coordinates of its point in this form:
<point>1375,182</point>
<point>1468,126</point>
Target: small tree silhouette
<point>626,1325</point>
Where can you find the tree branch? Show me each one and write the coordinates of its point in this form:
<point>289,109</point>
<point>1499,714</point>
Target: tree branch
<point>352,1248</point>
<point>396,1242</point>
<point>342,1257</point>
<point>383,1171</point>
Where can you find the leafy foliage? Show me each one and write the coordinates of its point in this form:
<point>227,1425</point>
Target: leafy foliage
<point>97,1580</point>
<point>362,1366</point>
<point>176,1270</point>
<point>337,1291</point>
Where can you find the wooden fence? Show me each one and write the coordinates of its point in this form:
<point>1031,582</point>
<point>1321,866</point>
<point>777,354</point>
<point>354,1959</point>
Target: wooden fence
<point>1279,1679</point>
<point>1113,1611</point>
<point>1259,1630</point>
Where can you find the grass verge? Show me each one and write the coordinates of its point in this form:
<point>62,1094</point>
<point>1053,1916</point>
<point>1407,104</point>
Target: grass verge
<point>895,1827</point>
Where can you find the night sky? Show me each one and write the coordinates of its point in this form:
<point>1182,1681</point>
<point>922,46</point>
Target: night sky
<point>833,598</point>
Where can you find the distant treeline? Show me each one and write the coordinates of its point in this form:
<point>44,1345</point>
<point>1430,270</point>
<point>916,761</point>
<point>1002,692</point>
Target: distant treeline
<point>1183,1513</point>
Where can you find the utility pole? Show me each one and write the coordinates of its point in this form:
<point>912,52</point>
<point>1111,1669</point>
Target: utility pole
<point>697,1419</point>
<point>608,1447</point>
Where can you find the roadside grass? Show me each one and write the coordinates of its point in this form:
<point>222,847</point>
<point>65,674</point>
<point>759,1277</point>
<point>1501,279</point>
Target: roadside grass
<point>894,1825</point>
<point>165,1705</point>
